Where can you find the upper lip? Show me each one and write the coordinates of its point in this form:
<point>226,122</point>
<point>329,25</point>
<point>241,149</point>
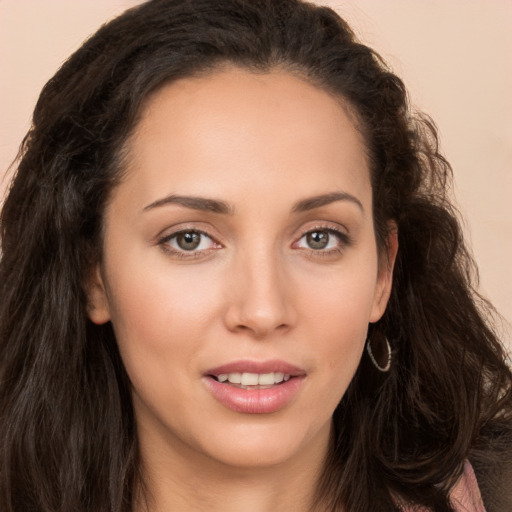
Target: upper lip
<point>249,366</point>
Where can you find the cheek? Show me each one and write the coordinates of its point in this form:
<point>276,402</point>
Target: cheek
<point>337,316</point>
<point>344,331</point>
<point>160,317</point>
<point>340,299</point>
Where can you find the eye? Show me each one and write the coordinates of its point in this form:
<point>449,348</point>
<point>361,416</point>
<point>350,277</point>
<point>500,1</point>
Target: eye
<point>324,239</point>
<point>188,241</point>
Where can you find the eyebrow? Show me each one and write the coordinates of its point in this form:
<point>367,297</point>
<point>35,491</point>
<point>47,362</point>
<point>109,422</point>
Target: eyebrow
<point>195,203</point>
<point>215,206</point>
<point>324,199</point>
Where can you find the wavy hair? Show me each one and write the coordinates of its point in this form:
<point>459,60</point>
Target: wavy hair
<point>68,438</point>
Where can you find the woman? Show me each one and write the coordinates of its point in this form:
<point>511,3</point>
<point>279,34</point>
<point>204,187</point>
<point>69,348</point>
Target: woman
<point>231,279</point>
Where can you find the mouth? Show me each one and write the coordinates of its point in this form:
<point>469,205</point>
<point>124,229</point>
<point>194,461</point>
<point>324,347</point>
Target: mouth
<point>254,387</point>
<point>247,380</point>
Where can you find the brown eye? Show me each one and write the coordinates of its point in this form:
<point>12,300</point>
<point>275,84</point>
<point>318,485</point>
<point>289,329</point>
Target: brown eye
<point>323,240</point>
<point>191,241</point>
<point>317,239</point>
<point>188,240</point>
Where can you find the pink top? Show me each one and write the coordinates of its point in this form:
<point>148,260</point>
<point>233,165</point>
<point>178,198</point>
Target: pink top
<point>465,496</point>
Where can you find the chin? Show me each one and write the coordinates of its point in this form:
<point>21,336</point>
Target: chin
<point>256,444</point>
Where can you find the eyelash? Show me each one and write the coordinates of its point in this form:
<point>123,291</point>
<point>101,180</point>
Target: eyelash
<point>182,253</point>
<point>344,242</point>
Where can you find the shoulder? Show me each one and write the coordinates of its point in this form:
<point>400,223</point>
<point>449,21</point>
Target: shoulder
<point>465,496</point>
<point>491,460</point>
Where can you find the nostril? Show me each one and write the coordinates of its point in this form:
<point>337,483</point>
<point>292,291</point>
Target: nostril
<point>259,314</point>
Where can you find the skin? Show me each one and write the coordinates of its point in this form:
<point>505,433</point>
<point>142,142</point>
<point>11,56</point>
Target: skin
<point>254,289</point>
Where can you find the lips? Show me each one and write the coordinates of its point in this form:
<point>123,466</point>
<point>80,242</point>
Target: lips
<point>255,387</point>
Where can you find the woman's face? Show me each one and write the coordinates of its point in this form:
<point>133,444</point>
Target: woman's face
<point>240,268</point>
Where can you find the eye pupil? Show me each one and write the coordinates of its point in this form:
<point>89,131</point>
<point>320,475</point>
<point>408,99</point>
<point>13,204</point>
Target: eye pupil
<point>318,239</point>
<point>188,241</point>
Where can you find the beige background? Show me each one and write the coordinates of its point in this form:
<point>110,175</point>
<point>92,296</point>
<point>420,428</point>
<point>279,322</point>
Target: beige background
<point>454,55</point>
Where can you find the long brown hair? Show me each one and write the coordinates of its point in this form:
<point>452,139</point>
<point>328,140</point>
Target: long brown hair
<point>68,438</point>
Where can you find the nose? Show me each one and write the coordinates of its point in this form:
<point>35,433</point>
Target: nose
<point>260,302</point>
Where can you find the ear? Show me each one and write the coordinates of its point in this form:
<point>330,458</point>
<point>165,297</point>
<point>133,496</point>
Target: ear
<point>385,273</point>
<point>97,302</point>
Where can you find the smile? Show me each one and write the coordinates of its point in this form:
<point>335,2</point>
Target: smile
<point>246,380</point>
<point>254,387</point>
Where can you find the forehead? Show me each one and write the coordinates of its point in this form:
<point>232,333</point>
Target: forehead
<point>204,133</point>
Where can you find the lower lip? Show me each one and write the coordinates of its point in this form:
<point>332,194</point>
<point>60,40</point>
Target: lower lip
<point>255,401</point>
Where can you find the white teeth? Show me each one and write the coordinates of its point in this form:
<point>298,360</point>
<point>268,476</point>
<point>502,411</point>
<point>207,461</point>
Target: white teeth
<point>235,378</point>
<point>254,379</point>
<point>266,379</point>
<point>249,379</point>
